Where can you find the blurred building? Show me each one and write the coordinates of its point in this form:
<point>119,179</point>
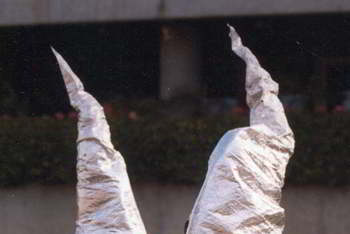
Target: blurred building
<point>171,49</point>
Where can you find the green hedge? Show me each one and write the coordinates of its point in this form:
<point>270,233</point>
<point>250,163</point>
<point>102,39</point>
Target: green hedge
<point>42,150</point>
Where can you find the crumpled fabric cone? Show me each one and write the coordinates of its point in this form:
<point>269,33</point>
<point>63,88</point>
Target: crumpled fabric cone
<point>105,199</point>
<point>242,188</point>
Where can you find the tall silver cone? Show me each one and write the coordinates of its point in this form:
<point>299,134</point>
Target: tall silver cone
<point>105,199</point>
<point>242,188</point>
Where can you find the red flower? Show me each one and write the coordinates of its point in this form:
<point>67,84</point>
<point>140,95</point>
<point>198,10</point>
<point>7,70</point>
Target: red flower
<point>238,110</point>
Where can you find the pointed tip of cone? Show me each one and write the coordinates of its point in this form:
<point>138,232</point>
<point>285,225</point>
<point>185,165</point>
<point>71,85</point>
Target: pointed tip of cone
<point>61,62</point>
<point>57,55</point>
<point>68,75</point>
<point>53,50</point>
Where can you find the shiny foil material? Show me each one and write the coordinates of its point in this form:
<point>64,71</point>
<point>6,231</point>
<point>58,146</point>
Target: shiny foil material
<point>105,200</point>
<point>242,188</point>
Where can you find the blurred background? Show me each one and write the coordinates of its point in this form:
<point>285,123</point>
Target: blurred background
<point>170,86</point>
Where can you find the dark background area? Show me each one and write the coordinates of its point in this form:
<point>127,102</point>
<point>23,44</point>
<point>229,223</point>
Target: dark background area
<point>113,60</point>
<point>121,60</point>
<point>119,64</point>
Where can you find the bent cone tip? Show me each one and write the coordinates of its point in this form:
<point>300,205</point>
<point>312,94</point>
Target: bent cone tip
<point>233,33</point>
<point>53,50</point>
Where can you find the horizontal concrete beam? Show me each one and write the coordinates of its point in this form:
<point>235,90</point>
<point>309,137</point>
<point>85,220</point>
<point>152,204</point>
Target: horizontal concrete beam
<point>22,12</point>
<point>165,208</point>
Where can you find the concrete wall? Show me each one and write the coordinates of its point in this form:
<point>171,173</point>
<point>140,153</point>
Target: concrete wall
<point>165,208</point>
<point>179,62</point>
<point>13,12</point>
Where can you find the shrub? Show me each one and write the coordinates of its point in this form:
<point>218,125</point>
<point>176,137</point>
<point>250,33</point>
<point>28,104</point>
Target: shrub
<point>168,150</point>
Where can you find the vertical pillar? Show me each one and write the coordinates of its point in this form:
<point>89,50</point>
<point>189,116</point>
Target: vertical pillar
<point>179,62</point>
<point>7,69</point>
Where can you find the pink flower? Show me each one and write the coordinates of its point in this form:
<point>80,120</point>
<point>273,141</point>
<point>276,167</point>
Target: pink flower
<point>339,108</point>
<point>73,115</point>
<point>132,115</point>
<point>59,115</point>
<point>108,108</point>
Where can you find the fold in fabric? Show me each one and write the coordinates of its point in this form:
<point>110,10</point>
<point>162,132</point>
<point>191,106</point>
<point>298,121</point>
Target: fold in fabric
<point>106,202</point>
<point>242,188</point>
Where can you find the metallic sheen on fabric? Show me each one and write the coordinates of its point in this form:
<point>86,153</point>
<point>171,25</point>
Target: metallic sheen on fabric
<point>105,200</point>
<point>242,188</point>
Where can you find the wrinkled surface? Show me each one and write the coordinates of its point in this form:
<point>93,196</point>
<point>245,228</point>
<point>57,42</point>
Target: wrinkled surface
<point>105,200</point>
<point>242,188</point>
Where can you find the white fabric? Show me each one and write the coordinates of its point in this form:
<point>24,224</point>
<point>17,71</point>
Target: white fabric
<point>242,188</point>
<point>105,200</point>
